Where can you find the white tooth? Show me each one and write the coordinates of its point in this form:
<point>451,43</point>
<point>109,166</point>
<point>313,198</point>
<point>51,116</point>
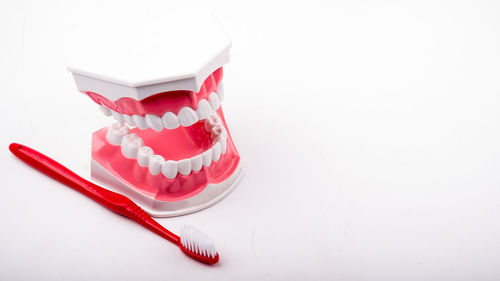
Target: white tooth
<point>196,163</point>
<point>187,116</point>
<point>169,169</point>
<point>211,121</point>
<point>115,133</point>
<point>170,120</point>
<point>155,164</point>
<point>204,110</point>
<point>143,154</point>
<point>106,111</point>
<point>214,101</point>
<point>130,145</point>
<point>184,166</point>
<point>223,142</point>
<point>216,131</point>
<point>128,119</point>
<point>154,122</point>
<point>140,122</point>
<point>207,157</point>
<point>220,91</point>
<point>118,117</point>
<point>216,150</point>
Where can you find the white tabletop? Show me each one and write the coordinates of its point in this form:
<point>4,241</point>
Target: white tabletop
<point>369,133</point>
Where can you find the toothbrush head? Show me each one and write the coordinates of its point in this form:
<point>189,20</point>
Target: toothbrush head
<point>198,245</point>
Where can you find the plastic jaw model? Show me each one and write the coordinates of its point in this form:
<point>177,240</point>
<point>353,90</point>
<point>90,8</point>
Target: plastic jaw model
<point>170,149</point>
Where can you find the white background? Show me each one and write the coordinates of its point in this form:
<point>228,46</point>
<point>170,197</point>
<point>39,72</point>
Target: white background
<point>369,132</point>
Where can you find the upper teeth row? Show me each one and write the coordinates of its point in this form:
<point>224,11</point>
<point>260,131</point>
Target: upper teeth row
<point>132,147</point>
<point>185,117</point>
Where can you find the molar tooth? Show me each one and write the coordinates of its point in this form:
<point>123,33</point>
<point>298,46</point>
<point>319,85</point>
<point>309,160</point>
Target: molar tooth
<point>128,119</point>
<point>216,131</point>
<point>169,169</point>
<point>115,133</point>
<point>118,117</point>
<point>204,110</point>
<point>170,120</point>
<point>143,154</point>
<point>216,150</point>
<point>154,122</point>
<point>196,163</point>
<point>223,142</point>
<point>187,116</point>
<point>220,91</point>
<point>211,121</point>
<point>106,111</point>
<point>155,164</point>
<point>130,145</point>
<point>184,166</point>
<point>140,122</point>
<point>207,157</point>
<point>214,101</point>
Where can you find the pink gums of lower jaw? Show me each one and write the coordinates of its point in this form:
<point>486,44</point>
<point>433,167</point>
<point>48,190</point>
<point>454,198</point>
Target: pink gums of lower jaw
<point>160,103</point>
<point>181,143</point>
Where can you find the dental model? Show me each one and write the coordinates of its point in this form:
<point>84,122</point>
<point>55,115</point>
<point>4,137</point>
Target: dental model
<point>170,150</point>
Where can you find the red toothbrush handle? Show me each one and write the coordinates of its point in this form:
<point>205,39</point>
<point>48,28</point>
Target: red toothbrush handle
<point>109,199</point>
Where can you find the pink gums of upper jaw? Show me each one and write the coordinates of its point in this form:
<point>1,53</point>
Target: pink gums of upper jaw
<point>158,186</point>
<point>160,103</point>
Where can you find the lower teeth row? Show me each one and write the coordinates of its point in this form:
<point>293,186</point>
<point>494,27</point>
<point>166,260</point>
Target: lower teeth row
<point>132,147</point>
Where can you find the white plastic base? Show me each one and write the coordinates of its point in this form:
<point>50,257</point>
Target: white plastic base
<point>212,193</point>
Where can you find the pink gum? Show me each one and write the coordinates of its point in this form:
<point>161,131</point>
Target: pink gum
<point>158,186</point>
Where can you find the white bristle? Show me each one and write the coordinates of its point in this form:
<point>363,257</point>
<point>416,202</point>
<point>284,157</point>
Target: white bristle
<point>197,242</point>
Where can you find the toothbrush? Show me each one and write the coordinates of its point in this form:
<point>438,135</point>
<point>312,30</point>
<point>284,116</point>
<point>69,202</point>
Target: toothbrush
<point>192,242</point>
